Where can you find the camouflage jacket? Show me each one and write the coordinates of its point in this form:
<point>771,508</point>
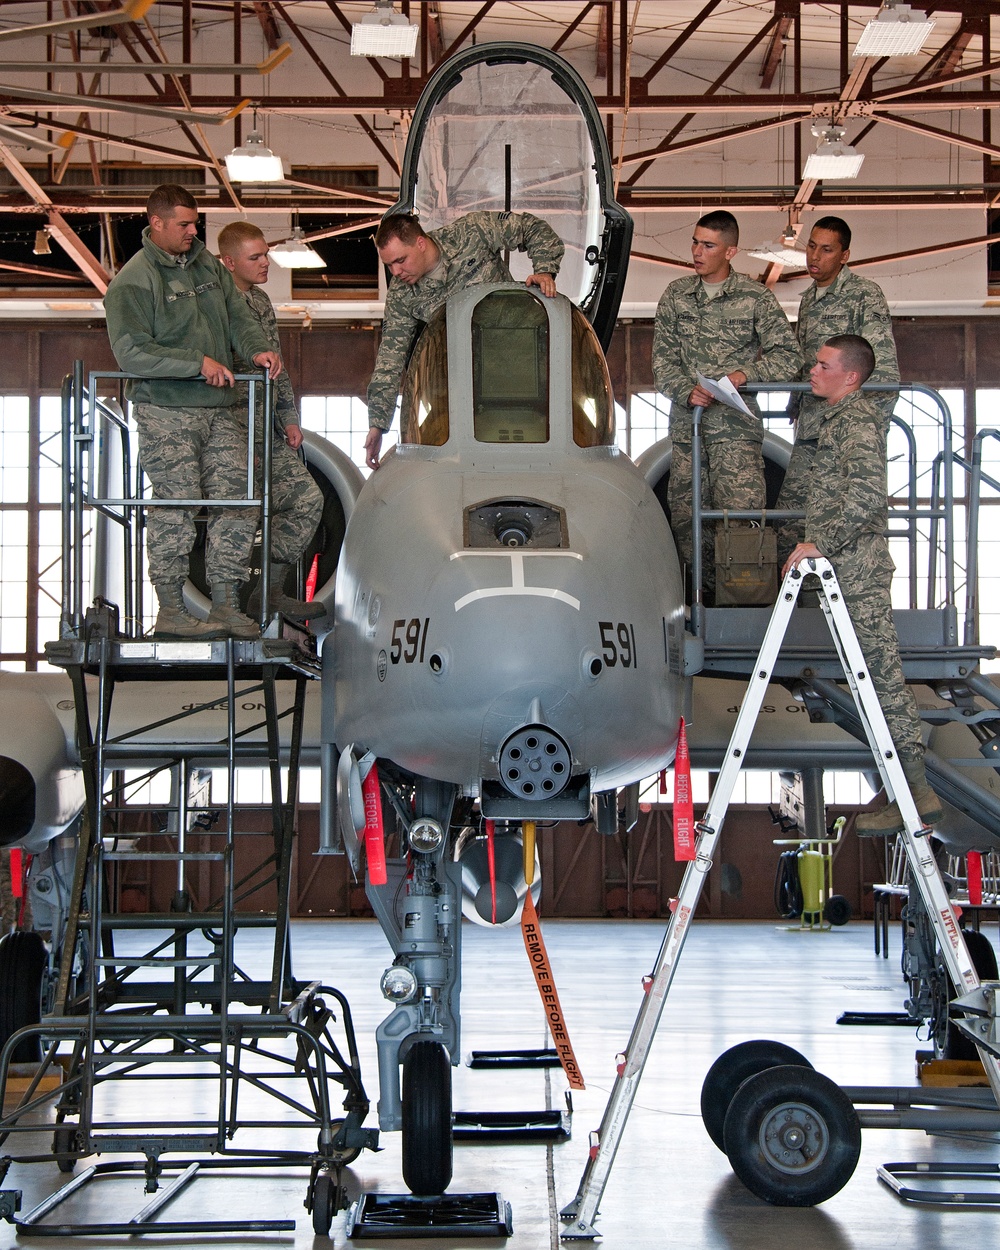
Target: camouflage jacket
<point>164,318</point>
<point>286,411</point>
<point>741,328</point>
<point>471,253</point>
<point>846,503</point>
<point>851,305</point>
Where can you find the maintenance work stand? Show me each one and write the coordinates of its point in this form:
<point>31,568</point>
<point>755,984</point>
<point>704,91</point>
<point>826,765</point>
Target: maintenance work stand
<point>147,999</point>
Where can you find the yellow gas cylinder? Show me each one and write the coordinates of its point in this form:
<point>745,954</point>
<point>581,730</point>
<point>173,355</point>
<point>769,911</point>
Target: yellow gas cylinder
<point>811,882</point>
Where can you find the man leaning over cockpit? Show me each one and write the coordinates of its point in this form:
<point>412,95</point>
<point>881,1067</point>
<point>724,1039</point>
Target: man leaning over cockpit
<point>427,268</point>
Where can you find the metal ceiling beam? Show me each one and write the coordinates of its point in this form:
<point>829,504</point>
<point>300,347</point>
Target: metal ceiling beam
<point>63,100</point>
<point>131,11</point>
<point>932,132</point>
<point>786,12</point>
<point>59,228</point>
<point>720,136</point>
<point>265,15</point>
<point>321,65</point>
<point>713,87</point>
<point>678,43</point>
<point>131,67</point>
<point>39,271</point>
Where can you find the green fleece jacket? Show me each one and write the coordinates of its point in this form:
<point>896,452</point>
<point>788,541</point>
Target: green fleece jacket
<point>164,318</point>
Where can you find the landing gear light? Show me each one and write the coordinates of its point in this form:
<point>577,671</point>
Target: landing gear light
<point>398,984</point>
<point>425,835</point>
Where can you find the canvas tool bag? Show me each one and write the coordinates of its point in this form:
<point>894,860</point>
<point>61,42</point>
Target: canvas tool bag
<point>746,564</point>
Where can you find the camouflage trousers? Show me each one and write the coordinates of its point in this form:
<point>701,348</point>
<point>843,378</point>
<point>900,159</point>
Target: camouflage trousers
<point>196,453</point>
<point>732,476</point>
<point>794,490</point>
<point>296,503</point>
<point>866,594</point>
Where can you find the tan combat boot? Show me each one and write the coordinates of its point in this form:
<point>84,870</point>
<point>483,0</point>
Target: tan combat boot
<point>888,820</point>
<point>296,610</point>
<point>174,620</point>
<point>226,615</point>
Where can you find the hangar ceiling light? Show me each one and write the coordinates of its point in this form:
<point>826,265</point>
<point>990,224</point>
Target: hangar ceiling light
<point>295,253</point>
<point>781,252</point>
<point>833,157</point>
<point>254,161</point>
<point>896,30</point>
<point>384,32</point>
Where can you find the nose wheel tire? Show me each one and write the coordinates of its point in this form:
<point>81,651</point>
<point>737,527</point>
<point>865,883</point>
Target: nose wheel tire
<point>427,1142</point>
<point>793,1136</point>
<point>728,1073</point>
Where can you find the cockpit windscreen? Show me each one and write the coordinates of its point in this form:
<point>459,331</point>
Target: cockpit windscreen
<point>507,136</point>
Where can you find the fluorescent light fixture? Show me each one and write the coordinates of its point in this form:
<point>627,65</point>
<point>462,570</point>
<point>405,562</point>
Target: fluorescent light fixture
<point>384,32</point>
<point>833,158</point>
<point>254,162</point>
<point>295,253</point>
<point>897,30</point>
<point>781,252</point>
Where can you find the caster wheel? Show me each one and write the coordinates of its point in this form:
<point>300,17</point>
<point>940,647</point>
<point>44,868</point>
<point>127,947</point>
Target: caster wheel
<point>728,1073</point>
<point>324,1203</point>
<point>793,1136</point>
<point>837,910</point>
<point>63,1141</point>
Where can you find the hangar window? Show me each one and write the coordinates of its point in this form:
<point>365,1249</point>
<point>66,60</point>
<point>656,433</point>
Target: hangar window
<point>424,417</point>
<point>510,369</point>
<point>593,405</point>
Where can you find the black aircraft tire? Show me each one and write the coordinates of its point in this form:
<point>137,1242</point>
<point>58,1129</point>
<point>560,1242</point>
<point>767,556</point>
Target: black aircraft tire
<point>837,911</point>
<point>984,960</point>
<point>793,1136</point>
<point>730,1070</point>
<point>427,1142</point>
<point>23,960</point>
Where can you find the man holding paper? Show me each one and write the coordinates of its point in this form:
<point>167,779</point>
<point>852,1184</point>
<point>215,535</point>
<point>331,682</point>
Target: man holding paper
<point>728,328</point>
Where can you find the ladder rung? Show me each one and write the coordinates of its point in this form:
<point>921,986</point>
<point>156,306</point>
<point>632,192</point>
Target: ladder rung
<point>176,856</point>
<point>184,920</point>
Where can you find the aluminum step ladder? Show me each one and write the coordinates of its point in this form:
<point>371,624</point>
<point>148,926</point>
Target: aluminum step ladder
<point>579,1215</point>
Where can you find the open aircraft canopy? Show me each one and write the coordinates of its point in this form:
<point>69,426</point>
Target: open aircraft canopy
<point>510,126</point>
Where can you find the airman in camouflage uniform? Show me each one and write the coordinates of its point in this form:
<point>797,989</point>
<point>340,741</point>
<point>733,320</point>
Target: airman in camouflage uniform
<point>720,323</point>
<point>174,318</point>
<point>838,302</point>
<point>427,268</point>
<point>846,517</point>
<point>296,500</point>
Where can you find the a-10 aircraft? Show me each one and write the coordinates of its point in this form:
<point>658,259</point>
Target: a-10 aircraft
<point>494,647</point>
<point>509,612</point>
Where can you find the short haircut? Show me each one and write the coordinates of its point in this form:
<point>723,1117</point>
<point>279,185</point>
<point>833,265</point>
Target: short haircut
<point>402,226</point>
<point>724,224</point>
<point>855,353</point>
<point>837,226</point>
<point>166,198</point>
<point>232,237</point>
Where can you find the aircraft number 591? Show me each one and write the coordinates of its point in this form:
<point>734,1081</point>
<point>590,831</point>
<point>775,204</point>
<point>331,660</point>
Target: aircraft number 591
<point>409,638</point>
<point>618,643</point>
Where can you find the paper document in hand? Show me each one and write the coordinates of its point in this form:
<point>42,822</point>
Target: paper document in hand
<point>724,392</point>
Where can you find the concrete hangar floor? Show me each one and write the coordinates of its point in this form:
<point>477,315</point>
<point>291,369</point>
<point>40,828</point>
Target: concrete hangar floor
<point>670,1186</point>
